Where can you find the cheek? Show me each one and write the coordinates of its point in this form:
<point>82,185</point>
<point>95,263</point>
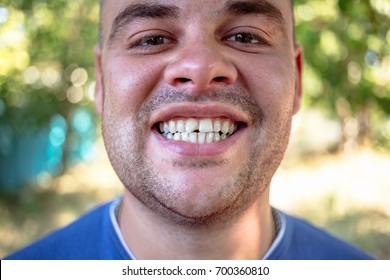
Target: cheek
<point>128,83</point>
<point>271,81</point>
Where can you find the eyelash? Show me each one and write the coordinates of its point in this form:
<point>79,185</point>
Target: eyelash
<point>157,41</point>
<point>246,35</point>
<point>142,42</point>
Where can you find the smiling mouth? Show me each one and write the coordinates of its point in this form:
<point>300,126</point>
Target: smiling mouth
<point>198,131</point>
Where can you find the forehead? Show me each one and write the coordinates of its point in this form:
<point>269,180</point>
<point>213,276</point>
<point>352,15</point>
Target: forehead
<point>277,10</point>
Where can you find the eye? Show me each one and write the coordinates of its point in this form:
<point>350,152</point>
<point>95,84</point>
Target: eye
<point>150,41</point>
<point>247,39</point>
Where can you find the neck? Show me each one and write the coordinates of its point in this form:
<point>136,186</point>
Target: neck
<point>149,237</point>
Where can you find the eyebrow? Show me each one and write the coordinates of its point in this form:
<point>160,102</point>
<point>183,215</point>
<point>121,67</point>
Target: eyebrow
<point>134,11</point>
<point>153,10</point>
<point>247,7</point>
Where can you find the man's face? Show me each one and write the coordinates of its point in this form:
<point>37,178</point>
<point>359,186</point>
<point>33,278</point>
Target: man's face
<point>197,99</point>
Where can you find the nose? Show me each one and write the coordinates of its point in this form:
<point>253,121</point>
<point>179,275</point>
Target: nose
<point>200,67</point>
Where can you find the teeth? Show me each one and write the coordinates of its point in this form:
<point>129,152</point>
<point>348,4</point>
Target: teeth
<point>165,128</point>
<point>161,126</point>
<point>172,126</point>
<point>206,125</point>
<point>198,131</point>
<point>181,126</point>
<point>177,136</point>
<point>225,127</point>
<point>185,136</point>
<point>193,137</point>
<point>232,128</point>
<point>201,137</point>
<point>210,137</point>
<point>192,125</point>
<point>217,126</point>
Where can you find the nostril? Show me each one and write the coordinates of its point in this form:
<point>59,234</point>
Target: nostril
<point>183,80</point>
<point>219,79</point>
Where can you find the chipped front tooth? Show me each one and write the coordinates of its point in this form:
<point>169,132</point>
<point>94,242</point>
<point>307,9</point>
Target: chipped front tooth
<point>206,125</point>
<point>217,137</point>
<point>210,137</point>
<point>180,126</point>
<point>193,137</point>
<point>192,125</point>
<point>225,127</point>
<point>217,126</point>
<point>185,136</point>
<point>172,127</point>
<point>177,136</point>
<point>201,137</point>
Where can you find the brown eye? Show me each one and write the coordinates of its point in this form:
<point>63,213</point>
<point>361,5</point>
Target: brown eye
<point>150,41</point>
<point>153,41</point>
<point>247,39</point>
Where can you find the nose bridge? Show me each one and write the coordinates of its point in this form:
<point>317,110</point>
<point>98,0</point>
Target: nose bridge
<point>199,65</point>
<point>202,59</point>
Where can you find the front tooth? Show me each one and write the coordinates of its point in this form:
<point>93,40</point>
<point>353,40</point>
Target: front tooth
<point>225,127</point>
<point>193,137</point>
<point>206,125</point>
<point>172,127</point>
<point>192,125</point>
<point>223,136</point>
<point>185,136</point>
<point>201,137</point>
<point>170,136</point>
<point>217,126</point>
<point>217,137</point>
<point>177,136</point>
<point>210,137</point>
<point>180,126</point>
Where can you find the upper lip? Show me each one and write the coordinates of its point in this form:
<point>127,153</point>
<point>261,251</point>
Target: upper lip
<point>195,110</point>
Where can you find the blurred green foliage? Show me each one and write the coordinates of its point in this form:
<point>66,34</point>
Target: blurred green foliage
<point>46,59</point>
<point>347,64</point>
<point>47,63</point>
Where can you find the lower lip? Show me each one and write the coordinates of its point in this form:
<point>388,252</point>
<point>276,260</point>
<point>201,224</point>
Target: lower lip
<point>188,149</point>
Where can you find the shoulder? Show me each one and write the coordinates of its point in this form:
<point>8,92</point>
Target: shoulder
<point>302,240</point>
<point>85,238</point>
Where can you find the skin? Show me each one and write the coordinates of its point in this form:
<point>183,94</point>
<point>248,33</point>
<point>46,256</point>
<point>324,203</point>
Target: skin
<point>185,201</point>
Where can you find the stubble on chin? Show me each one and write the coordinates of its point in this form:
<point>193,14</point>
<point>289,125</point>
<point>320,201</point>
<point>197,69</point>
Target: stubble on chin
<point>125,143</point>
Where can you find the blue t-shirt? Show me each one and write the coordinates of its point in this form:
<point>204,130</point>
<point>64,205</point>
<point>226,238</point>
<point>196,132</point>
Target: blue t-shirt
<point>96,236</point>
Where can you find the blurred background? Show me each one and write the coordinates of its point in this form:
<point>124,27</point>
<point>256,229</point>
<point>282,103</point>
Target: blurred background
<point>53,166</point>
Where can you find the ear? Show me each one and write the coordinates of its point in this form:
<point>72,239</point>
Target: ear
<point>298,77</point>
<point>99,94</point>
